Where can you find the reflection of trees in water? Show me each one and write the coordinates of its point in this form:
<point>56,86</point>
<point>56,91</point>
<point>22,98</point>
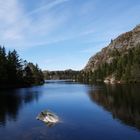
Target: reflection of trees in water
<point>123,101</point>
<point>11,101</point>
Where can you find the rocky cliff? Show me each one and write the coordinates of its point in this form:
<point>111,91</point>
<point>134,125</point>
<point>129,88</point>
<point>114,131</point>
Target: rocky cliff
<point>122,43</point>
<point>120,53</point>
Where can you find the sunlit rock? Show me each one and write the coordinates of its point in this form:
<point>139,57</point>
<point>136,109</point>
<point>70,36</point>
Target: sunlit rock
<point>48,117</point>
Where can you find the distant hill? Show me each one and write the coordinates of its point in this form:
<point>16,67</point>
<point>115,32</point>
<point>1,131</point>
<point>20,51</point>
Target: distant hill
<point>59,75</point>
<point>118,62</point>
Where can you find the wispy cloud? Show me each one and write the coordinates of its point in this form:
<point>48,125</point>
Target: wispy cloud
<point>48,6</point>
<point>10,12</point>
<point>18,28</point>
<point>94,47</point>
<point>45,25</point>
<point>39,26</point>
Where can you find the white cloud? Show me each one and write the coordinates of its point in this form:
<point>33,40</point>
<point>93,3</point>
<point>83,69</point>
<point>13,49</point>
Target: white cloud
<point>48,6</point>
<point>19,29</point>
<point>39,26</point>
<point>10,13</point>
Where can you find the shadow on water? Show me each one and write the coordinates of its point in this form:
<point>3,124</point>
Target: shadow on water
<point>11,101</point>
<point>123,101</point>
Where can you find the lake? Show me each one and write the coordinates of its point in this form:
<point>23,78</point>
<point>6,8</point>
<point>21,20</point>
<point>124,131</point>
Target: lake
<point>87,112</point>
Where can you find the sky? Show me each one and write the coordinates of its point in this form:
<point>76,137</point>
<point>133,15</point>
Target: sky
<point>64,34</point>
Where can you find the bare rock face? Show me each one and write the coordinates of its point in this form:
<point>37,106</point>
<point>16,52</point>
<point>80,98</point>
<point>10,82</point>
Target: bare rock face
<point>122,43</point>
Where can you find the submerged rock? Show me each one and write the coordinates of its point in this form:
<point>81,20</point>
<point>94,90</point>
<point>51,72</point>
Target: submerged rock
<point>48,117</point>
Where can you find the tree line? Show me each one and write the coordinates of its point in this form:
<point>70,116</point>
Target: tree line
<point>15,72</point>
<point>66,74</point>
<point>125,66</point>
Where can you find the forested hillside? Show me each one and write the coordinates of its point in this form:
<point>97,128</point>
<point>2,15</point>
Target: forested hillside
<point>118,62</point>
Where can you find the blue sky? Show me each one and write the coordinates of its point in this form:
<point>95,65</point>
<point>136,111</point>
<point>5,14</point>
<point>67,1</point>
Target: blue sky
<point>64,34</point>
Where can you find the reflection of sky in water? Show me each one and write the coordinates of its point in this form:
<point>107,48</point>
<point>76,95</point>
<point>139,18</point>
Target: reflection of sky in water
<point>86,112</point>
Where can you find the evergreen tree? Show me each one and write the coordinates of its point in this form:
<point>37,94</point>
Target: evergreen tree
<point>3,66</point>
<point>16,72</point>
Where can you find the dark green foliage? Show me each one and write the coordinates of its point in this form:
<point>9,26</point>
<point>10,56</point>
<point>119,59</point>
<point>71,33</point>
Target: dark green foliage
<point>124,66</point>
<point>16,72</point>
<point>32,74</point>
<point>3,65</point>
<point>67,74</point>
<point>14,68</point>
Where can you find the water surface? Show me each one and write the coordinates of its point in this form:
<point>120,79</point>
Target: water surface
<point>87,112</point>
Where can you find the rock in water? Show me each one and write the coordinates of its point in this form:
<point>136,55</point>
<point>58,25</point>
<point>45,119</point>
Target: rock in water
<point>48,117</point>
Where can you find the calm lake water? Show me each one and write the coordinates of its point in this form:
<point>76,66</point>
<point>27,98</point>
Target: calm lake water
<point>87,112</point>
